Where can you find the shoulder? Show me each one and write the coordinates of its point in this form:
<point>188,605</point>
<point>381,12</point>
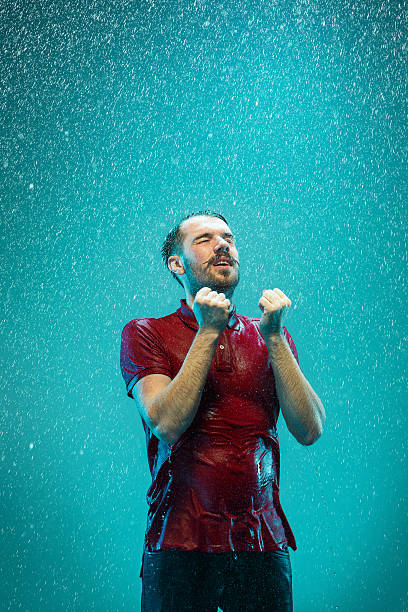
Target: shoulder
<point>153,324</point>
<point>139,323</point>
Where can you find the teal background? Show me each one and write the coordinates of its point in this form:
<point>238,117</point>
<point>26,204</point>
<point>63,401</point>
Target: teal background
<point>118,118</point>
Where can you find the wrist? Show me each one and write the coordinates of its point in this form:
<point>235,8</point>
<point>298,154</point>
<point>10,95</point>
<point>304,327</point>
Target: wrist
<point>209,333</point>
<point>275,339</point>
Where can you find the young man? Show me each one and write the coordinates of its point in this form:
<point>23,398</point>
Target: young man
<point>209,384</point>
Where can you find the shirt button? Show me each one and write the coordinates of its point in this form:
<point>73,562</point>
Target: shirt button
<point>221,346</point>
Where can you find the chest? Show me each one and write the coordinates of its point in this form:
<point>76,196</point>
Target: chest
<point>240,367</point>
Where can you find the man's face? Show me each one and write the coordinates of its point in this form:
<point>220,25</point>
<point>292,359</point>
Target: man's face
<point>207,241</point>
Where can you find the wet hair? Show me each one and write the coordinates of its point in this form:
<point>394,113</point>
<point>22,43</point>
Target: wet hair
<point>173,243</point>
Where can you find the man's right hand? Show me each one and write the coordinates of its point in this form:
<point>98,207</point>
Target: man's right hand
<point>211,310</point>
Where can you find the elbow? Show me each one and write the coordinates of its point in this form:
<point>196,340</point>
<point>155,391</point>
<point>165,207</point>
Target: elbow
<point>316,431</point>
<point>159,426</point>
<point>168,438</point>
<point>313,435</point>
<point>165,433</point>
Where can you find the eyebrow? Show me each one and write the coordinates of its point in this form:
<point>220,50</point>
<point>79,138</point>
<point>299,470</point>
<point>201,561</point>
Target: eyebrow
<point>209,235</point>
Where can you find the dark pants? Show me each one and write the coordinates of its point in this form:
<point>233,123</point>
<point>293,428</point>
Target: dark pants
<point>183,581</point>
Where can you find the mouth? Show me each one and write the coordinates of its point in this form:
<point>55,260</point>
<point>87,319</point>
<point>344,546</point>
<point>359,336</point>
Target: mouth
<point>223,264</point>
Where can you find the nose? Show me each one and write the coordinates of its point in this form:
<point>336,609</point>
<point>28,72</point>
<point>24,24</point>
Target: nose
<point>221,245</point>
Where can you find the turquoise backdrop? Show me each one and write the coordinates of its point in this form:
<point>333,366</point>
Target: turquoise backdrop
<point>119,118</point>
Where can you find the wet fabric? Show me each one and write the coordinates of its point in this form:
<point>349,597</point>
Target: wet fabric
<point>217,488</point>
<point>185,581</point>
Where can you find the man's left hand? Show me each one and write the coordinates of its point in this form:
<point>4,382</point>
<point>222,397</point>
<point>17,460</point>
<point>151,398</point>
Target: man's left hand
<point>274,305</point>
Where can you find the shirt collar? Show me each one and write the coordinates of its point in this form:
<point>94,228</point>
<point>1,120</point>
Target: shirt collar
<point>187,315</point>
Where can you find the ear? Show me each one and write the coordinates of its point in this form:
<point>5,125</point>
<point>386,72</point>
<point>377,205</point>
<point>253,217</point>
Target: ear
<point>175,264</point>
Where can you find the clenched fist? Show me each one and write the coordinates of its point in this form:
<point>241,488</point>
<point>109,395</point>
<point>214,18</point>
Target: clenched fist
<point>274,305</point>
<point>211,310</point>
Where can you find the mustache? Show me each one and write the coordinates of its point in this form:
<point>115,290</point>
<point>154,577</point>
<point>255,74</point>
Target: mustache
<point>228,257</point>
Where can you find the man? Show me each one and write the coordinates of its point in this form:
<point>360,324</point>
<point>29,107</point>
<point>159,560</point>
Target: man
<point>209,384</point>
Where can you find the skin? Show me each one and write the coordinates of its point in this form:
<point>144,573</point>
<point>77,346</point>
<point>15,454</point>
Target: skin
<point>195,265</point>
<point>209,292</point>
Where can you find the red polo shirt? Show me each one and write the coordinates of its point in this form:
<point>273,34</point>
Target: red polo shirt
<point>217,488</point>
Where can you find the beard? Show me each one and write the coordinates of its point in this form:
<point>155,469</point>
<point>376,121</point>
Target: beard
<point>220,280</point>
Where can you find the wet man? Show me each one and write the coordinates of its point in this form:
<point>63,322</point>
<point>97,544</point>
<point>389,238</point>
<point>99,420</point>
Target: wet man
<point>209,384</point>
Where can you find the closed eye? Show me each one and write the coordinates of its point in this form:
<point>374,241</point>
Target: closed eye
<point>203,238</point>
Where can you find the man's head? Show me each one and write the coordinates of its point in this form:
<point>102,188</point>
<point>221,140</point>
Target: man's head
<point>192,251</point>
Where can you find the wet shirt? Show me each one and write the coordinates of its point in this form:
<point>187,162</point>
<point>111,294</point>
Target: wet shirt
<point>217,488</point>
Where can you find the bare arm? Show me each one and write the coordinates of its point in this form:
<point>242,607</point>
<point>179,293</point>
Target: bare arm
<point>301,407</point>
<point>169,406</point>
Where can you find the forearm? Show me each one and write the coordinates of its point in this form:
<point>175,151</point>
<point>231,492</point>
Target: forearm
<point>175,407</point>
<point>301,407</point>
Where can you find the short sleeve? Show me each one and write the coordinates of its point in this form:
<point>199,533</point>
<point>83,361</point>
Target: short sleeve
<point>141,353</point>
<point>291,344</point>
